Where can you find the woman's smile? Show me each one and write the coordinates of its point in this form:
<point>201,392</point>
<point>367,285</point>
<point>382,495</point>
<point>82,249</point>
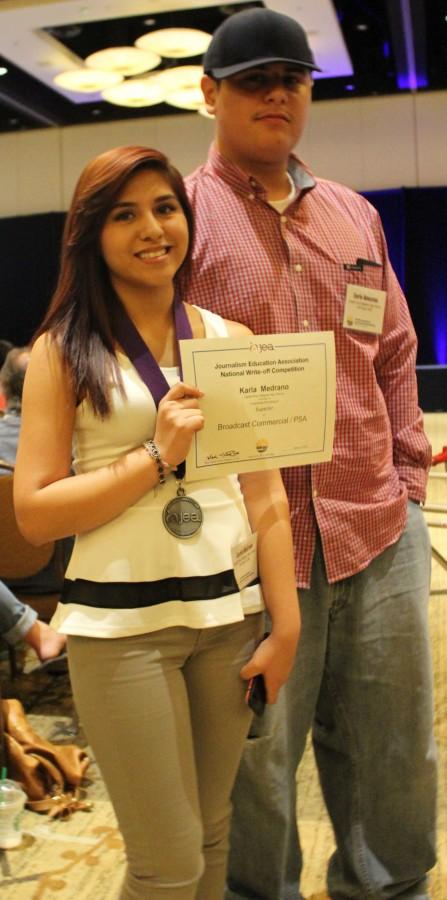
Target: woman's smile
<point>153,255</point>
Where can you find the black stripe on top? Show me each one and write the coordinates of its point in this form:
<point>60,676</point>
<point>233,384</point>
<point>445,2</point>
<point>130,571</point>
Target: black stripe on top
<point>135,595</point>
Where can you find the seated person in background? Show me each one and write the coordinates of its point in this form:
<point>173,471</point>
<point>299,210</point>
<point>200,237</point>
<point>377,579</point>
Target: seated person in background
<point>18,622</point>
<point>5,347</point>
<point>12,375</point>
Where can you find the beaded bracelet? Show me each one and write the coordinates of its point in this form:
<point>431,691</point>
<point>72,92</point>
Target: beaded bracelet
<point>154,452</point>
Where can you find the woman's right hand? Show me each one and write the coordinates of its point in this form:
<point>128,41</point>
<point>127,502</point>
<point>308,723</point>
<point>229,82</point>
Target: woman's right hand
<point>179,417</point>
<point>274,658</point>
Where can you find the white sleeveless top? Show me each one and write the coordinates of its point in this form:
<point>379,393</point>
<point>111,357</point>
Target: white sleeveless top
<point>131,575</point>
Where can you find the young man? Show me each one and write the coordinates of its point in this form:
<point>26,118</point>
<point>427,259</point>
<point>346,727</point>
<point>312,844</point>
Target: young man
<point>279,249</point>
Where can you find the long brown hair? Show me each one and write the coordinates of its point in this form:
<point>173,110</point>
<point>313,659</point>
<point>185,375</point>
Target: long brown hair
<point>80,316</point>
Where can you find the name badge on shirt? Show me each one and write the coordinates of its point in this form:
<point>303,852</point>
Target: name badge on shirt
<point>364,308</point>
<point>245,561</point>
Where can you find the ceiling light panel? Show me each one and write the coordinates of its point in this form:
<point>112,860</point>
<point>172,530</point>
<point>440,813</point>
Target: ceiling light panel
<point>127,61</point>
<point>86,81</point>
<point>179,78</point>
<point>189,98</point>
<point>136,93</point>
<point>175,43</point>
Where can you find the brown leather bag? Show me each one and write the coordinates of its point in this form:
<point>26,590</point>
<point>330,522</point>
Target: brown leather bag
<point>50,774</point>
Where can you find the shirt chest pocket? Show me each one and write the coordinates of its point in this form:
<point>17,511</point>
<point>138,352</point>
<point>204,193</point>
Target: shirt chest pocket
<point>370,276</point>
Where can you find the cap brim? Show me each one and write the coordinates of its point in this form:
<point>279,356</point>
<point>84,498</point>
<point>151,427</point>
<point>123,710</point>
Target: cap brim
<point>226,71</point>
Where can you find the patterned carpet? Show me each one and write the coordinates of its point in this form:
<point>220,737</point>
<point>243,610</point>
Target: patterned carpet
<point>81,857</point>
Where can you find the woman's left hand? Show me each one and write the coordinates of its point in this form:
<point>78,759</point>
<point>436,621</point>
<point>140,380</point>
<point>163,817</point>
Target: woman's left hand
<point>274,658</point>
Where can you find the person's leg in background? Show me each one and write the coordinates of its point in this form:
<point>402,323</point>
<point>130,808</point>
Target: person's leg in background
<point>265,857</point>
<point>373,735</point>
<point>19,622</point>
<point>15,618</point>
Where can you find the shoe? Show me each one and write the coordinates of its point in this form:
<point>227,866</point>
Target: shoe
<point>57,665</point>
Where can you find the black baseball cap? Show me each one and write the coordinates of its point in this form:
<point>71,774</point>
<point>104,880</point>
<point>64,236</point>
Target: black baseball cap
<point>255,37</point>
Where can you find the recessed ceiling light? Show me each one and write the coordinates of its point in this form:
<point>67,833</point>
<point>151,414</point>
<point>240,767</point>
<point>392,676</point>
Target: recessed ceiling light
<point>124,60</point>
<point>185,98</point>
<point>178,78</point>
<point>182,86</point>
<point>86,81</point>
<point>175,43</point>
<point>135,93</point>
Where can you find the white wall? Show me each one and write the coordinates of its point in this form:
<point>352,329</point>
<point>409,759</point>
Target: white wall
<point>369,144</point>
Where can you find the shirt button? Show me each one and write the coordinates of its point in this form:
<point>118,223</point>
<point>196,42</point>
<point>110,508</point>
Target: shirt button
<point>305,323</point>
<point>283,218</point>
<point>314,493</point>
<point>298,267</point>
<point>251,196</point>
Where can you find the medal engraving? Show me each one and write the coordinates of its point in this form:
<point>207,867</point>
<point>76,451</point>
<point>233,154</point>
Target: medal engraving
<point>182,517</point>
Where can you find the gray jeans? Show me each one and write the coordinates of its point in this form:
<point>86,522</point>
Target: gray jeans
<point>166,718</point>
<point>363,683</point>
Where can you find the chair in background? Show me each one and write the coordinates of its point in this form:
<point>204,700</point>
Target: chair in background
<point>20,560</point>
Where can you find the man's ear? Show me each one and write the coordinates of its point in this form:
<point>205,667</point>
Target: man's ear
<point>209,89</point>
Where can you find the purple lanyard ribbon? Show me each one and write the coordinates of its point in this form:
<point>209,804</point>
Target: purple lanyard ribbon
<point>142,358</point>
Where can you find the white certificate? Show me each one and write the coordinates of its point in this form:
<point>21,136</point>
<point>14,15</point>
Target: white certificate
<point>269,401</point>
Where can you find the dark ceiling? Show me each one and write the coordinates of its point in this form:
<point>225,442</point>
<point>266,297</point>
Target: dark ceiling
<point>374,32</point>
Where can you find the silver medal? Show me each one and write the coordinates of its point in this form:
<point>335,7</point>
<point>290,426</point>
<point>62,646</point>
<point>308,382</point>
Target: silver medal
<point>182,516</point>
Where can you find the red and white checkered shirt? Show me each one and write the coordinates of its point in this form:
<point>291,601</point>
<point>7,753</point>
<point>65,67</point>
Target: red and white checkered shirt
<point>285,273</point>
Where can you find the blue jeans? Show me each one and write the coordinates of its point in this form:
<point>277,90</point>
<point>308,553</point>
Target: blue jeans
<point>363,682</point>
<point>15,617</point>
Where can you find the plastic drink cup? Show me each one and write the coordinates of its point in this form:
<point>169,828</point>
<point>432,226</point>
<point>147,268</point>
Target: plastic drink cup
<point>12,802</point>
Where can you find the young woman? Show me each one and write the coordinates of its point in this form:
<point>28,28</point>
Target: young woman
<point>160,637</point>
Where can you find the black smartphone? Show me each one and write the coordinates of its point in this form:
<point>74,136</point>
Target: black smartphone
<point>256,694</point>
